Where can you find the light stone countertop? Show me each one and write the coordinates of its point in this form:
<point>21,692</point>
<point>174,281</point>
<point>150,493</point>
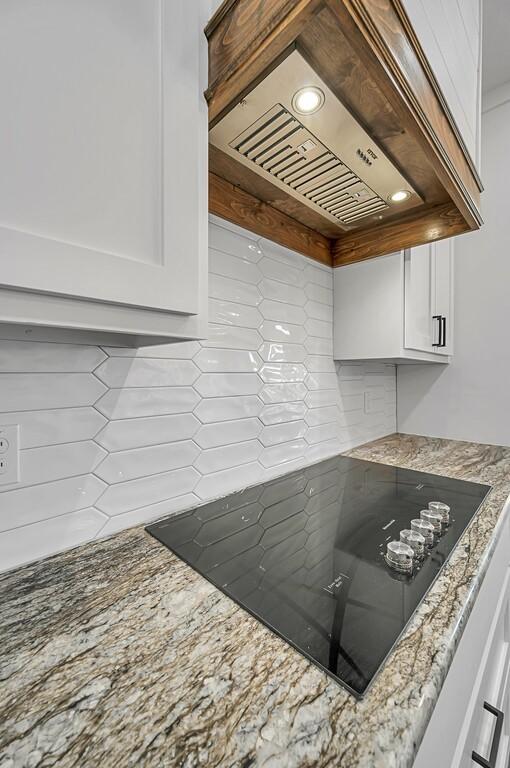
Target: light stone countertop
<point>116,653</point>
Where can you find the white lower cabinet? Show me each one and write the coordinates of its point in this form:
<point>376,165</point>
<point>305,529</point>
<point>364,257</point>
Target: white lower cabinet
<point>470,724</point>
<point>103,188</point>
<point>397,308</point>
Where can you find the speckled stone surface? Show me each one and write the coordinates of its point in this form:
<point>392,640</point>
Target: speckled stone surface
<point>118,654</point>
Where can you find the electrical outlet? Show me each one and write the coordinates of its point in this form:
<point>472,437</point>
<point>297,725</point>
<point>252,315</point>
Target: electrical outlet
<point>9,454</point>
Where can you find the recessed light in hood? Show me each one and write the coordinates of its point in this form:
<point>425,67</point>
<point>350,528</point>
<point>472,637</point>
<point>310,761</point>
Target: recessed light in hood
<point>308,100</point>
<point>292,130</point>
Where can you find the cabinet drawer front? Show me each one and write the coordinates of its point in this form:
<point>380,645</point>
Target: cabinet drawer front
<point>493,686</point>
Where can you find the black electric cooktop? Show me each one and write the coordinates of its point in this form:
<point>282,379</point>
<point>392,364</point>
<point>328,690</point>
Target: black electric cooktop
<point>306,555</point>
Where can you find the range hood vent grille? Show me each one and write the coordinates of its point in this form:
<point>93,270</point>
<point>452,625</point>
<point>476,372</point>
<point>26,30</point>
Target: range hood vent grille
<point>279,144</point>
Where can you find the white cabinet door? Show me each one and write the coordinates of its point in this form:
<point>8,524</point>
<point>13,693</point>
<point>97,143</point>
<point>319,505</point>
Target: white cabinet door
<point>428,298</point>
<point>442,282</point>
<point>419,325</point>
<point>99,151</point>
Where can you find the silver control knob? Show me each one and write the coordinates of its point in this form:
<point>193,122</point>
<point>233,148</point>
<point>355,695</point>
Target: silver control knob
<point>441,509</point>
<point>426,530</point>
<point>434,518</point>
<point>399,556</point>
<point>414,540</point>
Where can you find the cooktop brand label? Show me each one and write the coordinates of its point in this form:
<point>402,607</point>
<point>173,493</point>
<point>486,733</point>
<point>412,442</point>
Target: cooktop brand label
<point>336,584</point>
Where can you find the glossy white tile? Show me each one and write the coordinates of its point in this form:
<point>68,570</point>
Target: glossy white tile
<point>227,408</point>
<point>275,270</point>
<point>245,245</point>
<point>34,357</point>
<point>282,433</point>
<point>283,393</point>
<point>322,432</point>
<point>222,385</point>
<point>282,453</point>
<point>235,267</point>
<point>227,361</point>
<point>277,310</point>
<point>272,330</point>
<point>321,328</point>
<point>23,506</point>
<point>60,425</point>
<point>317,346</point>
<point>273,373</point>
<point>148,490</point>
<point>34,391</point>
<point>143,462</point>
<point>53,462</point>
<point>319,311</point>
<point>147,372</point>
<point>318,397</point>
<point>227,432</point>
<point>282,412</point>
<point>220,483</point>
<point>216,459</point>
<point>282,254</point>
<point>321,381</point>
<point>272,289</point>
<point>282,353</point>
<point>147,514</point>
<point>147,401</point>
<point>225,337</point>
<point>320,275</point>
<point>321,415</point>
<point>230,313</point>
<point>233,290</point>
<point>319,293</point>
<point>182,350</point>
<point>320,364</point>
<point>153,430</point>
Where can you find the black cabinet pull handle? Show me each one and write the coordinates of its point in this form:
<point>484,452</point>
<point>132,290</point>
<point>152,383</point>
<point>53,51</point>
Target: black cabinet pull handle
<point>440,327</point>
<point>491,762</point>
<point>443,324</point>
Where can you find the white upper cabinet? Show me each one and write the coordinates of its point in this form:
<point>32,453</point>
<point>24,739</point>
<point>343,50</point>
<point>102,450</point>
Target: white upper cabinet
<point>103,151</point>
<point>450,34</point>
<point>397,308</point>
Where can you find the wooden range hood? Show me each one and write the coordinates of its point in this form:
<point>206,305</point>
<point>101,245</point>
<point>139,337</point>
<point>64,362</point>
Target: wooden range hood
<point>367,55</point>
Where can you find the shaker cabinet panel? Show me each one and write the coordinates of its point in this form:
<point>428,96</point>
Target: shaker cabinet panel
<point>428,297</point>
<point>103,152</point>
<point>397,308</point>
<point>419,301</point>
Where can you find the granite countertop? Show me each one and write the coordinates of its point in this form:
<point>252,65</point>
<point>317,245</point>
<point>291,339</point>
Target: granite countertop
<point>118,654</point>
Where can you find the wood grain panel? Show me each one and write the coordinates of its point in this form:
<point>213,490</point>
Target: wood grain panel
<point>381,40</point>
<point>414,228</point>
<point>239,207</point>
<point>239,175</point>
<point>350,79</point>
<point>248,39</point>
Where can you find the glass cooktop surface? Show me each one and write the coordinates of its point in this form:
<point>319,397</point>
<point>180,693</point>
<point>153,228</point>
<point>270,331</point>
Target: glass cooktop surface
<point>307,554</point>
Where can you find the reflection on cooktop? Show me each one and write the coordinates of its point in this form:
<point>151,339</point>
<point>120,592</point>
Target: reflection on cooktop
<point>307,554</point>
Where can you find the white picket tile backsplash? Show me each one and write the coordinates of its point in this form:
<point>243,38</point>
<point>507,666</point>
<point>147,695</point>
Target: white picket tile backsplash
<point>113,437</point>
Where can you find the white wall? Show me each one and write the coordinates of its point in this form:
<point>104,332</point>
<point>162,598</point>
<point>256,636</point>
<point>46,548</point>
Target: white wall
<point>112,438</point>
<point>469,399</point>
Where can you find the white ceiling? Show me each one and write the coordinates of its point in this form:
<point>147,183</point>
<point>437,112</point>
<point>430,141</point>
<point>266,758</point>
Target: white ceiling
<point>496,43</point>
